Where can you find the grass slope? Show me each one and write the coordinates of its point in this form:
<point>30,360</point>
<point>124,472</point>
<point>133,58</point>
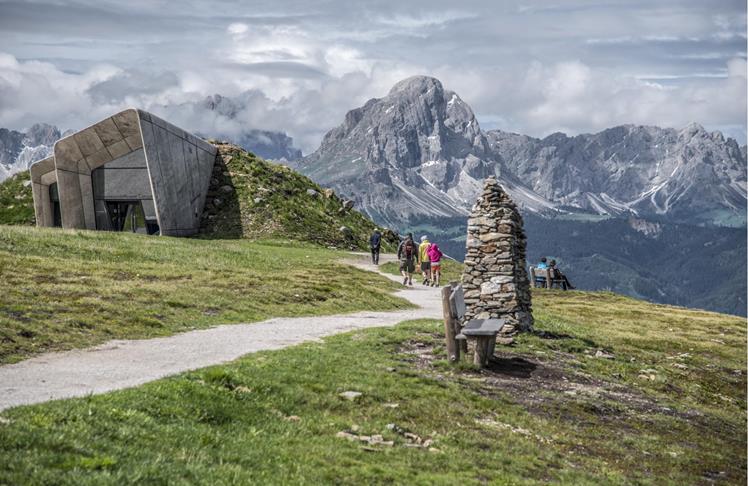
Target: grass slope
<point>666,407</point>
<point>16,201</point>
<point>260,199</point>
<point>62,289</point>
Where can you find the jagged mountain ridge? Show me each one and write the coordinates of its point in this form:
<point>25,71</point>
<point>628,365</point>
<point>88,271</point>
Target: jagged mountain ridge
<point>419,152</point>
<point>19,149</point>
<point>686,175</point>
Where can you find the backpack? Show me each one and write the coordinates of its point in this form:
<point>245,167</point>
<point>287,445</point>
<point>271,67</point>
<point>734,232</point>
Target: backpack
<point>409,249</point>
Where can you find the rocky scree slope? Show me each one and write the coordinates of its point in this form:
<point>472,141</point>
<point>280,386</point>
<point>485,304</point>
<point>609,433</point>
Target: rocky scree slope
<point>253,198</point>
<point>419,152</point>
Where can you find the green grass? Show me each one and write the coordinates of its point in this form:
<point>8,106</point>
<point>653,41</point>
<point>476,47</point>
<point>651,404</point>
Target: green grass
<point>546,410</point>
<point>451,270</point>
<point>66,289</point>
<point>271,201</point>
<point>16,201</point>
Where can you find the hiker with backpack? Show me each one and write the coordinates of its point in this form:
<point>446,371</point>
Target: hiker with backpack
<point>423,256</point>
<point>375,243</point>
<point>435,257</point>
<point>407,253</point>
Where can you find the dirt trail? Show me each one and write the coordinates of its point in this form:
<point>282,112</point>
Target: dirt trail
<point>125,363</point>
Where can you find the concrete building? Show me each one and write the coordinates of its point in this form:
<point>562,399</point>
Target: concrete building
<point>130,172</point>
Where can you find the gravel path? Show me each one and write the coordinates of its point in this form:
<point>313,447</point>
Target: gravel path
<point>125,363</point>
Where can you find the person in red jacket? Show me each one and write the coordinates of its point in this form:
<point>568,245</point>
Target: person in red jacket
<point>435,256</point>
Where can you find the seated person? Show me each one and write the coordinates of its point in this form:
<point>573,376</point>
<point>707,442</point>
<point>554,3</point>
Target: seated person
<point>558,275</point>
<point>543,265</point>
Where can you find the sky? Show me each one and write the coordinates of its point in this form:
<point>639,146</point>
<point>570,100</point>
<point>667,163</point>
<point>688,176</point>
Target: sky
<point>533,67</point>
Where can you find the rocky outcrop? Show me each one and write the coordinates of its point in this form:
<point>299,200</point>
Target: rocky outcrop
<point>495,276</point>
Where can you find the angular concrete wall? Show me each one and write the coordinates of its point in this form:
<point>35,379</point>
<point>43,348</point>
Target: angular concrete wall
<point>79,154</point>
<point>42,176</point>
<point>178,166</point>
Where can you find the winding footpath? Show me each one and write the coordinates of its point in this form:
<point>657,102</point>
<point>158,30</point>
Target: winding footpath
<point>121,364</point>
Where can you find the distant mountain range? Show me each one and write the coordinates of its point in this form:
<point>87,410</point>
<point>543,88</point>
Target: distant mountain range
<point>650,212</point>
<point>420,152</point>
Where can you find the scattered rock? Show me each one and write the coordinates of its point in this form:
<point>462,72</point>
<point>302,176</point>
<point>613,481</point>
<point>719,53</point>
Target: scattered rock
<point>329,193</point>
<point>350,395</point>
<point>217,201</point>
<point>312,193</point>
<point>4,421</point>
<point>26,183</point>
<point>602,354</point>
<point>680,366</point>
<point>293,418</point>
<point>348,204</point>
<point>391,405</point>
<point>257,200</point>
<point>346,231</point>
<point>227,189</point>
<point>506,341</point>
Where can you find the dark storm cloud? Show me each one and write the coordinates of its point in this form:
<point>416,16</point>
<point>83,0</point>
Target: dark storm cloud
<point>527,66</point>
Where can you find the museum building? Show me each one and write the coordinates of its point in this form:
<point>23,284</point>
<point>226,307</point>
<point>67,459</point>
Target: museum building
<point>131,172</point>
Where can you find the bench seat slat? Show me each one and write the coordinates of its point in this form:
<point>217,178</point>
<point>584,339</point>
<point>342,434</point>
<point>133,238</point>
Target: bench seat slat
<point>483,327</point>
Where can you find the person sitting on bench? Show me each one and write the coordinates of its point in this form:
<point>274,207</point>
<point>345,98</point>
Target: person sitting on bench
<point>558,275</point>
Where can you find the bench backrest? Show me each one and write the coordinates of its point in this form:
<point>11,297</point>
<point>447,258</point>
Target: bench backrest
<point>457,302</point>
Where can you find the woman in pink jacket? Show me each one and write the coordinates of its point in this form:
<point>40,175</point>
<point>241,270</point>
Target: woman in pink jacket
<point>435,256</point>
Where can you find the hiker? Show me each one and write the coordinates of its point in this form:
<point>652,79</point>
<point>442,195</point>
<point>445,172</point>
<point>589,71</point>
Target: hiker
<point>423,256</point>
<point>375,242</point>
<point>558,275</point>
<point>435,257</point>
<point>407,253</point>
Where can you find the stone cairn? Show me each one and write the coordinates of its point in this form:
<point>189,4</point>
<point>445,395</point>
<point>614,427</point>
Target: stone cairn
<point>495,277</point>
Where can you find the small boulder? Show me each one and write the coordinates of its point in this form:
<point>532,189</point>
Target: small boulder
<point>257,200</point>
<point>227,189</point>
<point>312,193</point>
<point>329,193</point>
<point>346,231</point>
<point>348,204</point>
<point>350,395</point>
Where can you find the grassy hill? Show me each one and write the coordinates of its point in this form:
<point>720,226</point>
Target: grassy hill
<point>61,289</point>
<point>607,390</point>
<point>16,201</point>
<point>260,199</point>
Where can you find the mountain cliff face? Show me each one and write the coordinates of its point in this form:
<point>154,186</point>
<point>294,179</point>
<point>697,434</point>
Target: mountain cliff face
<point>686,175</point>
<point>419,152</point>
<point>19,149</point>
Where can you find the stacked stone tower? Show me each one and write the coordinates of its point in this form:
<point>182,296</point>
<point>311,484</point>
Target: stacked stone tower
<point>495,277</point>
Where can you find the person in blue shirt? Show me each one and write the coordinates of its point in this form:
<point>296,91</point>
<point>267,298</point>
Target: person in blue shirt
<point>543,263</point>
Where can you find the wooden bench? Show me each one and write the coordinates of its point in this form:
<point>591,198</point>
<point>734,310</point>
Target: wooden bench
<point>484,331</point>
<point>545,277</point>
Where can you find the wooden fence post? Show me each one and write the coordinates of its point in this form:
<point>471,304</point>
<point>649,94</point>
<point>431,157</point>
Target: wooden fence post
<point>453,352</point>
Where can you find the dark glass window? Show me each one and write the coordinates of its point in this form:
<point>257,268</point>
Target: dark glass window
<point>129,216</point>
<point>54,200</point>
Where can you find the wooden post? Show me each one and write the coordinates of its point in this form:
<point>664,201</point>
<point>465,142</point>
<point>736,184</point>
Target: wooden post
<point>462,345</point>
<point>453,352</point>
<point>482,344</point>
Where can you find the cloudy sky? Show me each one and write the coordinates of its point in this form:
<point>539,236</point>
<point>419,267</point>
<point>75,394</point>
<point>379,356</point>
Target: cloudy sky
<point>533,67</point>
